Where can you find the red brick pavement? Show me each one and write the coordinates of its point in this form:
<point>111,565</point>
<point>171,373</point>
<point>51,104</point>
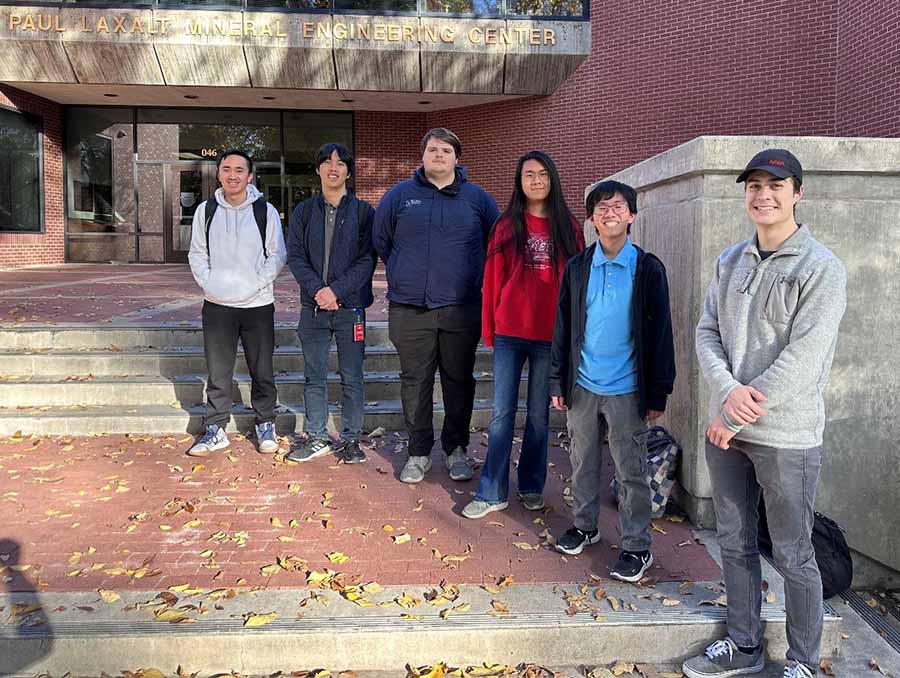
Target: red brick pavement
<point>89,513</point>
<point>145,293</point>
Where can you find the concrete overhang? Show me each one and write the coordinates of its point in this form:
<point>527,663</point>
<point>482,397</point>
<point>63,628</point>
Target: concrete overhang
<point>378,62</point>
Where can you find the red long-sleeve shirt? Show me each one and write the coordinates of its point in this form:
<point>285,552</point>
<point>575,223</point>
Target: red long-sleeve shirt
<point>518,296</point>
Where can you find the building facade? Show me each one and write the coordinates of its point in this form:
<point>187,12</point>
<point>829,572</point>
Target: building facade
<point>113,113</point>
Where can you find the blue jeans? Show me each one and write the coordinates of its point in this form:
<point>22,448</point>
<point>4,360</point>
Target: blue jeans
<point>510,354</point>
<point>315,331</point>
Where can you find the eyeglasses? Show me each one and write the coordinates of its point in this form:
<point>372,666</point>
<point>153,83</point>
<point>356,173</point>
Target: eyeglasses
<point>617,207</point>
<point>543,176</point>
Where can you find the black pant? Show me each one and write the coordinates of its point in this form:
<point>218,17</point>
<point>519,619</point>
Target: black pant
<point>222,326</point>
<point>428,339</point>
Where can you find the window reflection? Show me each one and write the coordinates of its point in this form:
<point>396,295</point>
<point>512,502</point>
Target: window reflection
<point>20,173</point>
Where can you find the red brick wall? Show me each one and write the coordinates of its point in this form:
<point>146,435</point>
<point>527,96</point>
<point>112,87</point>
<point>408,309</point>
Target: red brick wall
<point>659,77</point>
<point>387,150</point>
<point>22,249</point>
<point>868,69</point>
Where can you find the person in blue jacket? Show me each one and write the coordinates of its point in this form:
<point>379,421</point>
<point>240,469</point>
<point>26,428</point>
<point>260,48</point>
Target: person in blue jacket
<point>431,231</point>
<point>330,254</point>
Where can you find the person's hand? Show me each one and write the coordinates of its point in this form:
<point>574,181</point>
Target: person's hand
<point>326,299</point>
<point>742,406</point>
<point>653,415</point>
<point>558,402</point>
<point>719,434</point>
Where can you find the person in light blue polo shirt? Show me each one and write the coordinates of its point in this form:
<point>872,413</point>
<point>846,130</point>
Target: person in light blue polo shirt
<point>612,365</point>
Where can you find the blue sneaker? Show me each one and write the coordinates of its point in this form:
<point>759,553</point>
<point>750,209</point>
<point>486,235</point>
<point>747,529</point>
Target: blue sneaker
<point>212,441</point>
<point>266,442</point>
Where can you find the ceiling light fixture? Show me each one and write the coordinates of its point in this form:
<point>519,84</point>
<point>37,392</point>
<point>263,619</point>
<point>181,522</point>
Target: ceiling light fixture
<point>191,96</point>
<point>111,96</point>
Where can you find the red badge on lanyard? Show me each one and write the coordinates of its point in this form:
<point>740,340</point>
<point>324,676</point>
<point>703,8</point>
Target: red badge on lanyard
<point>359,327</point>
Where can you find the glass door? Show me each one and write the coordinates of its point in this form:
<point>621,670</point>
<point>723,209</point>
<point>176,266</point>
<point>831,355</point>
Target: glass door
<point>188,184</point>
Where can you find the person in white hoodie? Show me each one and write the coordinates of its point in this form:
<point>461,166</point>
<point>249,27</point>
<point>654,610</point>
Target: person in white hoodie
<point>236,268</point>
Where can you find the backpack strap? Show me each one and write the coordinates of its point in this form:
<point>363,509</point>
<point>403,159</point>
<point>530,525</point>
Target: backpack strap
<point>260,213</point>
<point>209,211</point>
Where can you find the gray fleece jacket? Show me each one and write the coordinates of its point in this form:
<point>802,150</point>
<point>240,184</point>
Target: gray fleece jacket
<point>773,325</point>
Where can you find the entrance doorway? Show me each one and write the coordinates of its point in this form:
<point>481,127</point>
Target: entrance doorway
<point>187,185</point>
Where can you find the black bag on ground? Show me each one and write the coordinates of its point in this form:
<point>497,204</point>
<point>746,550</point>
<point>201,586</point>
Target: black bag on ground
<point>832,552</point>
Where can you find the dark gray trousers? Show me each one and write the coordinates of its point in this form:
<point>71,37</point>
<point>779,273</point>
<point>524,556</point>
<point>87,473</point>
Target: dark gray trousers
<point>589,418</point>
<point>787,480</point>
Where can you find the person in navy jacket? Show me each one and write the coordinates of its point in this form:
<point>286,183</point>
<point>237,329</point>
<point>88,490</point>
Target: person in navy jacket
<point>431,231</point>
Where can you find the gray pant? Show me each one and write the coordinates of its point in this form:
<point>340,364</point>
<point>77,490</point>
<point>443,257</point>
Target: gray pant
<point>589,418</point>
<point>787,480</point>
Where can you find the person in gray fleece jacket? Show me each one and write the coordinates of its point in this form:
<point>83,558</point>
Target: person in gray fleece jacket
<point>765,344</point>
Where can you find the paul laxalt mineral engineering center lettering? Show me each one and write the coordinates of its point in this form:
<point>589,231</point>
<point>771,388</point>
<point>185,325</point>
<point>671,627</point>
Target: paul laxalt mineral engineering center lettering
<point>376,29</point>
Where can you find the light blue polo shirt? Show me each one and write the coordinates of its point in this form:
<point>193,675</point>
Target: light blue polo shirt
<point>608,363</point>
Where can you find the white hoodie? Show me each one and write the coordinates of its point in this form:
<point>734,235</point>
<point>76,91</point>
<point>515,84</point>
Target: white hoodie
<point>233,271</point>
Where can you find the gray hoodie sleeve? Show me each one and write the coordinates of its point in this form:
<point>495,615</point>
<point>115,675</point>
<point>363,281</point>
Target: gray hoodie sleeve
<point>198,253</point>
<point>711,355</point>
<point>809,352</point>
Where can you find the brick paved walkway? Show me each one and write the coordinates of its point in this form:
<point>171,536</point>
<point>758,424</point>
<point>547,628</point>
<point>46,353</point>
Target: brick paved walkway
<point>120,512</point>
<point>80,293</point>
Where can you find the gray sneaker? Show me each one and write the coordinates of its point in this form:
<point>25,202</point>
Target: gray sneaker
<point>532,501</point>
<point>722,659</point>
<point>459,465</point>
<point>213,440</point>
<point>479,509</point>
<point>415,469</point>
<point>266,442</point>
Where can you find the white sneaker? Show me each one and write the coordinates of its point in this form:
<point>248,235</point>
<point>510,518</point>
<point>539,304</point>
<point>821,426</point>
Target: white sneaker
<point>797,671</point>
<point>212,441</point>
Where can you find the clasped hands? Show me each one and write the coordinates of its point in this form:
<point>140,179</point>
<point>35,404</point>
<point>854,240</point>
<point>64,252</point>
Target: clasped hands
<point>742,407</point>
<point>326,299</point>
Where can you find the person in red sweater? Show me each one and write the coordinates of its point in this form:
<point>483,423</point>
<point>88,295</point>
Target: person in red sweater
<point>527,251</point>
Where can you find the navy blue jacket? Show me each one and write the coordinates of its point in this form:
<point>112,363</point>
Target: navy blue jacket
<point>433,241</point>
<point>651,323</point>
<point>352,261</point>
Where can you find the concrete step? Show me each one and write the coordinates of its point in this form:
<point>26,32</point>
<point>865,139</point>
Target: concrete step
<point>173,362</point>
<point>131,336</point>
<point>342,635</point>
<point>60,391</point>
<point>77,419</point>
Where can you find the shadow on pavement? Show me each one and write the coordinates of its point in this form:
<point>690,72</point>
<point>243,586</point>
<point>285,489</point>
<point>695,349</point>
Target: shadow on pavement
<point>26,636</point>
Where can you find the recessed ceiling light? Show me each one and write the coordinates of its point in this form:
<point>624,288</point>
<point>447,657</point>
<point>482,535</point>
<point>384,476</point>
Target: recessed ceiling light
<point>424,102</point>
<point>191,96</point>
<point>269,98</point>
<point>111,96</point>
<point>347,101</point>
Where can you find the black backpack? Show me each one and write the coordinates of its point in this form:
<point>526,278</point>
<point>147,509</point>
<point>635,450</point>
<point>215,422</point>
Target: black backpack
<point>832,552</point>
<point>260,213</point>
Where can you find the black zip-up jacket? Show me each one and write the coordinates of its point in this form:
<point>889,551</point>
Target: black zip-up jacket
<point>352,261</point>
<point>651,323</point>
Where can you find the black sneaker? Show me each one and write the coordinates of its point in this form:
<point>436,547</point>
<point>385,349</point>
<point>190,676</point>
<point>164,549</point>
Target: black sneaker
<point>631,566</point>
<point>309,450</point>
<point>351,453</point>
<point>574,540</point>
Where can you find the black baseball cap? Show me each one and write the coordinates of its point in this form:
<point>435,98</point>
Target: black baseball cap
<point>776,161</point>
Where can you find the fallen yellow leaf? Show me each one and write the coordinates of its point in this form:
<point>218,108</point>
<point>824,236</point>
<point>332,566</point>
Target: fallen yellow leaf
<point>109,596</point>
<point>401,538</point>
<point>252,620</point>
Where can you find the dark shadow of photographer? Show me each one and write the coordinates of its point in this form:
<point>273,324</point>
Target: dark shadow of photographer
<point>26,635</point>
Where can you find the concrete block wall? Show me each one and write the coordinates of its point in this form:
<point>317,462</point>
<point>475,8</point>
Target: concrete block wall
<point>690,209</point>
<point>22,249</point>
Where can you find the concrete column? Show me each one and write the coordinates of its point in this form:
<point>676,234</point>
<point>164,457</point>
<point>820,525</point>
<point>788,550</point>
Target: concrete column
<point>690,209</point>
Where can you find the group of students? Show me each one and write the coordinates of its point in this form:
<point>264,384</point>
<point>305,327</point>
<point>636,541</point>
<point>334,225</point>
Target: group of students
<point>593,325</point>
